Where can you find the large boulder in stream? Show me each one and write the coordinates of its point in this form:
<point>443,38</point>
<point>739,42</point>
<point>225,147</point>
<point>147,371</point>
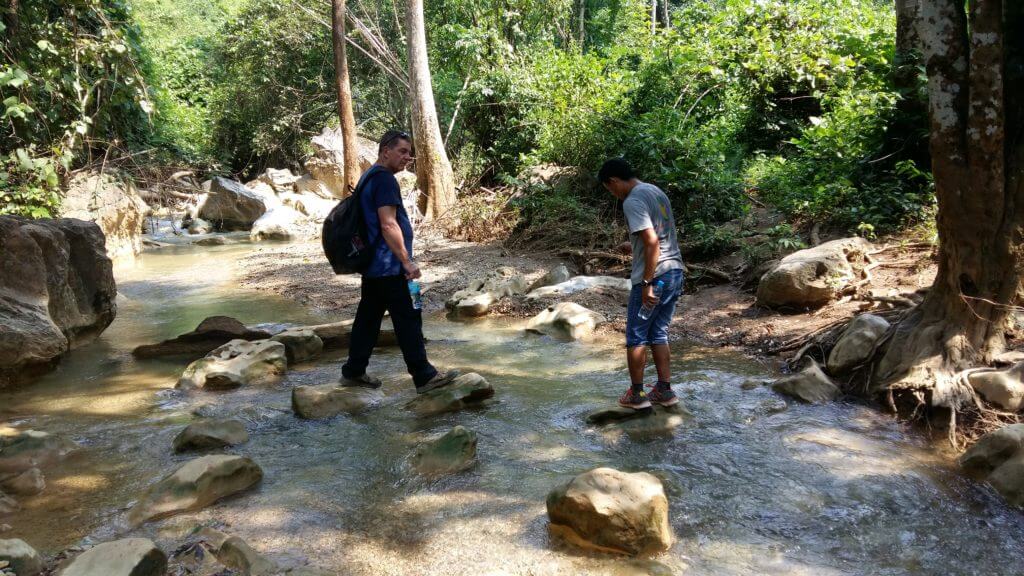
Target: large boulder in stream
<point>328,160</point>
<point>856,343</point>
<point>21,557</point>
<point>112,202</point>
<point>210,434</point>
<point>611,511</point>
<point>809,385</point>
<point>127,557</point>
<point>1003,388</point>
<point>212,333</point>
<point>453,452</point>
<point>57,292</point>
<point>813,277</point>
<point>998,458</point>
<point>465,391</point>
<point>195,485</point>
<point>566,321</point>
<point>318,402</point>
<point>237,363</point>
<point>231,206</point>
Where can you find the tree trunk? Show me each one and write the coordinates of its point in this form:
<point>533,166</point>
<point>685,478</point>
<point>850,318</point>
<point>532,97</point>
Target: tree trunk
<point>345,115</point>
<point>976,90</point>
<point>654,16</point>
<point>666,21</point>
<point>433,171</point>
<point>906,139</point>
<point>582,22</point>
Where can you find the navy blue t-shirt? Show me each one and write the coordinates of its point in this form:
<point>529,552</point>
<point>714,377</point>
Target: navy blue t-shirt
<point>382,190</point>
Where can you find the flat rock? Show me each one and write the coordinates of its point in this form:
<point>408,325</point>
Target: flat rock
<point>611,511</point>
<point>581,284</point>
<point>212,333</point>
<point>300,344</point>
<point>467,390</point>
<point>856,343</point>
<point>328,400</point>
<point>22,558</point>
<point>24,449</point>
<point>127,557</point>
<point>998,458</point>
<point>660,422</point>
<point>210,434</point>
<point>195,485</point>
<point>1003,388</point>
<point>810,385</point>
<point>27,483</point>
<point>237,363</point>
<point>453,452</point>
<point>566,321</point>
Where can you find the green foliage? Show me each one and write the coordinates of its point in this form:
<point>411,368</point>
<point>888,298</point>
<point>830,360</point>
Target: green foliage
<point>781,240</point>
<point>70,83</point>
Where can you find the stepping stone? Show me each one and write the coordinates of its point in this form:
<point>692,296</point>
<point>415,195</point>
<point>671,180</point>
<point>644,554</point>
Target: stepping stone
<point>195,485</point>
<point>127,557</point>
<point>300,344</point>
<point>21,557</point>
<point>316,402</point>
<point>210,434</point>
<point>338,335</point>
<point>640,424</point>
<point>616,414</point>
<point>453,452</point>
<point>235,364</point>
<point>467,390</point>
<point>211,333</point>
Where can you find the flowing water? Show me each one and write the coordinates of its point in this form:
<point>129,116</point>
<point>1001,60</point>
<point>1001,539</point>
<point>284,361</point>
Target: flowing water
<point>817,490</point>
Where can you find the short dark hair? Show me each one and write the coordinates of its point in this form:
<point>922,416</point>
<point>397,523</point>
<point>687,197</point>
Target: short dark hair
<point>390,139</point>
<point>615,168</point>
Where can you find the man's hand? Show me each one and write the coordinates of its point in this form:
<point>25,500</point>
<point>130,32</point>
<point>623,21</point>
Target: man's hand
<point>412,271</point>
<point>650,299</point>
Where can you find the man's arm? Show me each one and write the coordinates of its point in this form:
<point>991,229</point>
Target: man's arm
<point>652,251</point>
<point>392,234</point>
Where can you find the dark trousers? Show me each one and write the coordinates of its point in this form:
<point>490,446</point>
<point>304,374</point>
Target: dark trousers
<point>391,294</point>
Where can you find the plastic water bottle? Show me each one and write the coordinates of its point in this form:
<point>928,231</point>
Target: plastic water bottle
<point>646,311</point>
<point>417,298</point>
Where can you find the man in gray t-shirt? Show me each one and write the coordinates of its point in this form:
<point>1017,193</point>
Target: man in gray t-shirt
<point>657,281</point>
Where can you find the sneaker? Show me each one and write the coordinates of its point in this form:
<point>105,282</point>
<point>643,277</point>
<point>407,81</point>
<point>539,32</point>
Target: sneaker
<point>440,379</point>
<point>634,400</point>
<point>663,395</point>
<point>362,381</point>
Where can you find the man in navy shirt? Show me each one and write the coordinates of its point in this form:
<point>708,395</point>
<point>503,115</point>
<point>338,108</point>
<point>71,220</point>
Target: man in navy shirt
<point>385,282</point>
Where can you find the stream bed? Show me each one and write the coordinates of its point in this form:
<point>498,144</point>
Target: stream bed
<point>754,486</point>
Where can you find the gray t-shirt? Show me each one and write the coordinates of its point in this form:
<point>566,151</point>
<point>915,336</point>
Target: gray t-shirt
<point>648,207</point>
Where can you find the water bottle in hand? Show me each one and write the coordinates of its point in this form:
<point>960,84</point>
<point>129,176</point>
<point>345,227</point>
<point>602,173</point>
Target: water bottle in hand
<point>645,310</point>
<point>417,298</point>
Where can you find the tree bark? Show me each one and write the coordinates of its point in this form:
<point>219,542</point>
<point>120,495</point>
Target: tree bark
<point>654,16</point>
<point>582,23</point>
<point>666,20</point>
<point>345,115</point>
<point>433,170</point>
<point>974,68</point>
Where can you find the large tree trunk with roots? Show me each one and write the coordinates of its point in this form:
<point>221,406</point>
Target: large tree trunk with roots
<point>433,171</point>
<point>976,109</point>
<point>345,115</point>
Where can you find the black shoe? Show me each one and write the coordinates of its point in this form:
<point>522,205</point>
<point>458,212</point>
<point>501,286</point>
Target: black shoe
<point>362,381</point>
<point>440,379</point>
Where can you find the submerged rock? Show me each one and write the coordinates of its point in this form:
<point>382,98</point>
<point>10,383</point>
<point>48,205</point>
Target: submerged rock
<point>22,558</point>
<point>611,511</point>
<point>24,449</point>
<point>57,292</point>
<point>1003,388</point>
<point>208,434</point>
<point>810,385</point>
<point>213,332</point>
<point>237,363</point>
<point>566,320</point>
<point>195,485</point>
<point>813,277</point>
<point>231,206</point>
<point>467,390</point>
<point>856,343</point>
<point>998,458</point>
<point>127,557</point>
<point>453,452</point>
<point>580,284</point>
<point>27,483</point>
<point>301,344</point>
<point>317,402</point>
<point>477,297</point>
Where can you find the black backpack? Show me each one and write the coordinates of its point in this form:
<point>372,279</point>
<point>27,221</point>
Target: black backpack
<point>344,235</point>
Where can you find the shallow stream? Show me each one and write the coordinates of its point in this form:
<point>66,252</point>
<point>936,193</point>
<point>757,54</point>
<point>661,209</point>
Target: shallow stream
<point>816,490</point>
